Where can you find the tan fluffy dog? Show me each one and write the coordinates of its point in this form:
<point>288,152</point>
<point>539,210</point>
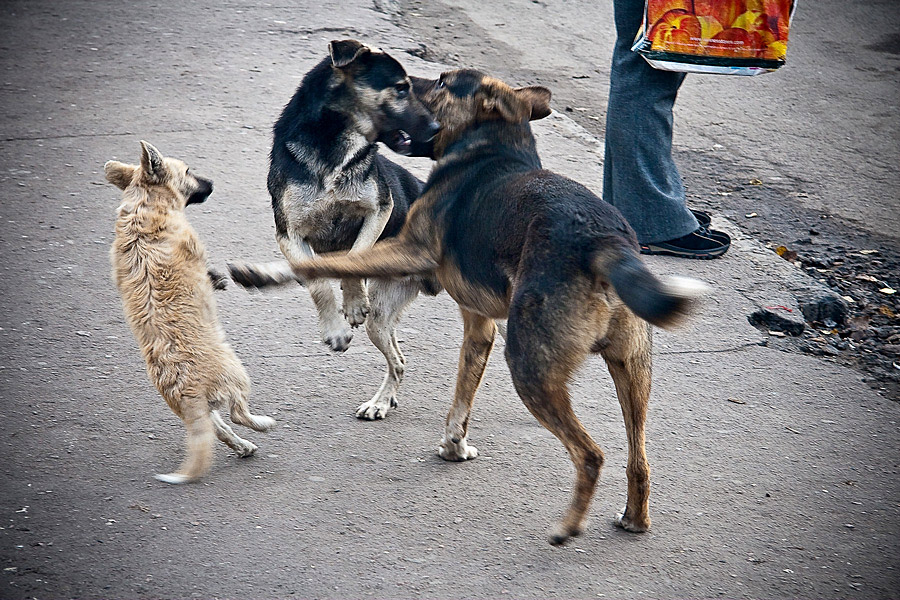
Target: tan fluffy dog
<point>159,266</point>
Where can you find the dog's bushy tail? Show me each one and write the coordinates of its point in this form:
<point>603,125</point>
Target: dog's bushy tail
<point>390,258</point>
<point>262,275</point>
<point>664,303</point>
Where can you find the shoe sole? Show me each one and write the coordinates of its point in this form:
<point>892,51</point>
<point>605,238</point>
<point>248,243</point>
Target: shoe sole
<point>706,255</point>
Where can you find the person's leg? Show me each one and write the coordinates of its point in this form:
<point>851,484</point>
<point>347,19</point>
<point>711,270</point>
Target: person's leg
<point>640,177</point>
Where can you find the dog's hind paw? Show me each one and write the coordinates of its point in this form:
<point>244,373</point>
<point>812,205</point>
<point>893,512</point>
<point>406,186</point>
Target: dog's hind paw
<point>624,521</point>
<point>457,451</point>
<point>261,422</point>
<point>173,478</point>
<point>561,535</point>
<point>246,449</point>
<point>376,408</point>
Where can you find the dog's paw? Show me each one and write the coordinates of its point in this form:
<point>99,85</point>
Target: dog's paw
<point>338,338</point>
<point>457,451</point>
<point>261,423</point>
<point>376,408</point>
<point>624,521</point>
<point>246,449</point>
<point>561,534</point>
<point>173,478</point>
<point>356,312</point>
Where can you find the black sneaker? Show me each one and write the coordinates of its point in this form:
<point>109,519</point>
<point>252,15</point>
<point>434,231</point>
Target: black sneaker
<point>702,217</point>
<point>703,243</point>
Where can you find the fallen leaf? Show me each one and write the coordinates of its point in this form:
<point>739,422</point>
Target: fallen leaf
<point>751,215</point>
<point>786,254</point>
<point>866,278</point>
<point>888,290</point>
<point>777,333</point>
<point>736,401</point>
<point>848,298</point>
<point>868,251</point>
<point>886,311</point>
<point>755,181</point>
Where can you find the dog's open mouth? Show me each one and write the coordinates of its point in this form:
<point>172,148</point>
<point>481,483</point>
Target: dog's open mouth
<point>399,141</point>
<point>402,143</point>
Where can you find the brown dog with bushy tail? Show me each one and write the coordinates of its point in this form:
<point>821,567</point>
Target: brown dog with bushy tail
<point>159,266</point>
<point>510,240</point>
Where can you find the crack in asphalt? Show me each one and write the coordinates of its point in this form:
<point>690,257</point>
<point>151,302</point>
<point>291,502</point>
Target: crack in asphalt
<point>761,343</point>
<point>95,135</point>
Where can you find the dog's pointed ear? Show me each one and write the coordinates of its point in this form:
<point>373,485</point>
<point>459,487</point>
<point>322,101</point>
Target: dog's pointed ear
<point>119,174</point>
<point>498,99</point>
<point>345,52</point>
<point>539,99</point>
<point>151,160</point>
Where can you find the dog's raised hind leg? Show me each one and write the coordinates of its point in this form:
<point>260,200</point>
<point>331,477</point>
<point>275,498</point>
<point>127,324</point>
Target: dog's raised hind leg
<point>226,434</point>
<point>334,328</point>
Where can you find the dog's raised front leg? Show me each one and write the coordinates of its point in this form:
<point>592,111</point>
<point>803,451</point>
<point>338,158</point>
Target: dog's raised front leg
<point>356,300</point>
<point>334,329</point>
<point>478,341</point>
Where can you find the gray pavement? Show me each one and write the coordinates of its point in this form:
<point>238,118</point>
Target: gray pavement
<point>774,474</point>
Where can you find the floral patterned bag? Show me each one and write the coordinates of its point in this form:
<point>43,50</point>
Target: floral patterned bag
<point>731,37</point>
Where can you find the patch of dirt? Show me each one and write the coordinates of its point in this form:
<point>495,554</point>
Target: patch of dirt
<point>860,266</point>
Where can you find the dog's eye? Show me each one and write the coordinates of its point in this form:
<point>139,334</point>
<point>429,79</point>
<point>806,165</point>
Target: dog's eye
<point>402,90</point>
<point>441,84</point>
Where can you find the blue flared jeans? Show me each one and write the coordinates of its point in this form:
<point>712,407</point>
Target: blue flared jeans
<point>639,174</point>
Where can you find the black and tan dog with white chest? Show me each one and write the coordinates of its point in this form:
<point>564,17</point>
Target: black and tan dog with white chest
<point>332,190</point>
<point>510,240</point>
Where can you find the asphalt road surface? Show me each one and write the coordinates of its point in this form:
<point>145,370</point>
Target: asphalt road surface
<point>774,474</point>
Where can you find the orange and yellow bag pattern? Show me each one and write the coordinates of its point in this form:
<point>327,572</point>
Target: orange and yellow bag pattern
<point>740,37</point>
